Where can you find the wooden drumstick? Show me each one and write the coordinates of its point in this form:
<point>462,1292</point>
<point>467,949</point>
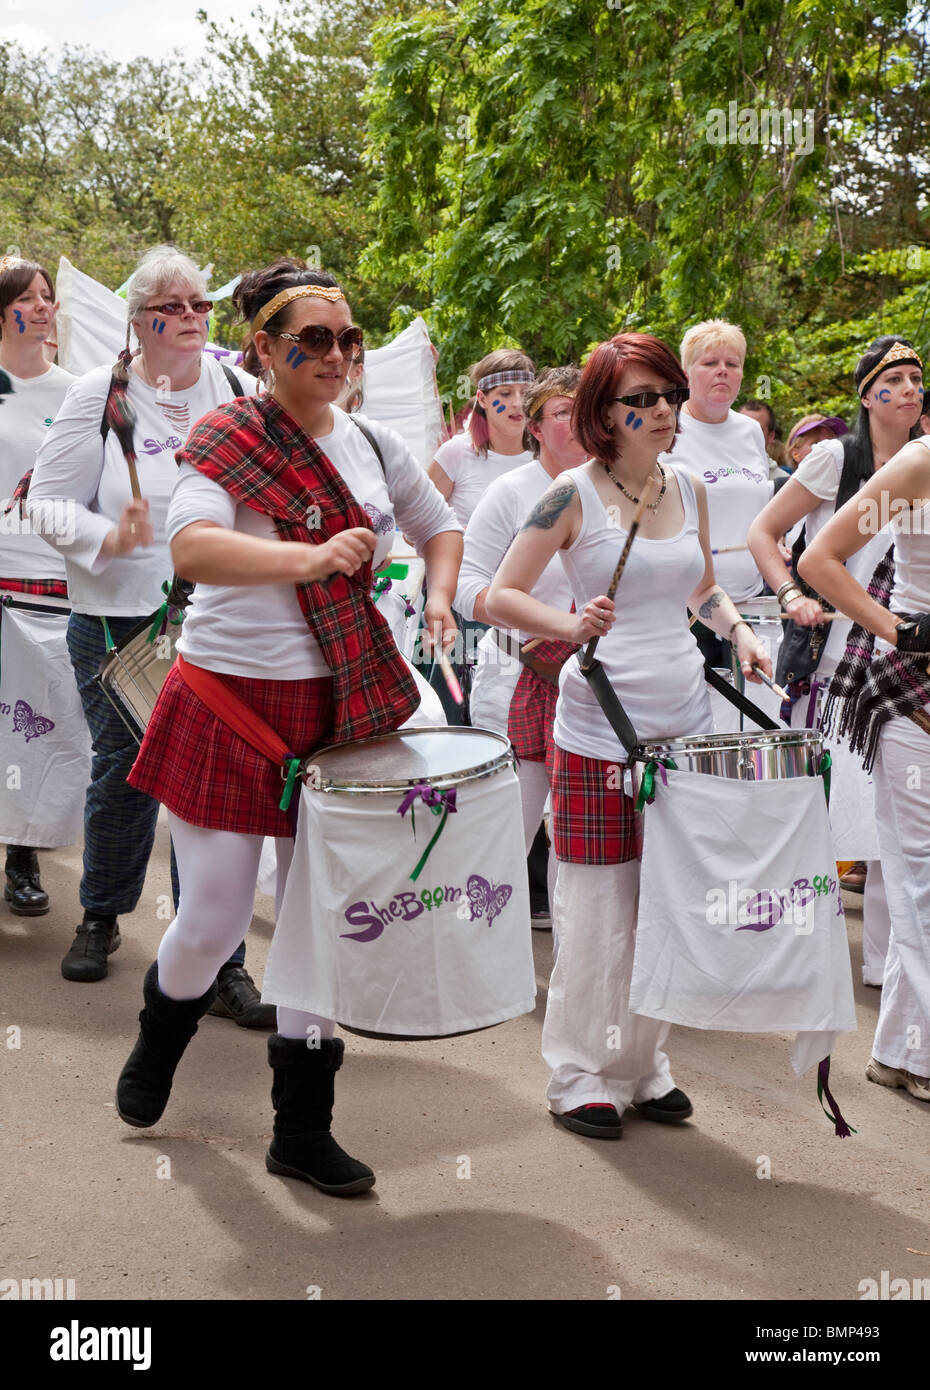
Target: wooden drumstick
<point>766,680</point>
<point>121,418</point>
<point>590,649</point>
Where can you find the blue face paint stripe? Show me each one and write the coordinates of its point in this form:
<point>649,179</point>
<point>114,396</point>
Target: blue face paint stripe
<point>499,406</point>
<point>19,320</point>
<point>884,395</point>
<point>630,418</point>
<point>638,425</point>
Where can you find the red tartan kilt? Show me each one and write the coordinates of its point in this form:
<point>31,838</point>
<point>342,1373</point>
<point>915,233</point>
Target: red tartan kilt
<point>205,773</point>
<point>592,821</point>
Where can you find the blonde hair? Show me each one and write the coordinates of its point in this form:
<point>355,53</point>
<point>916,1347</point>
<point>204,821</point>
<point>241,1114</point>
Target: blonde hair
<point>711,333</point>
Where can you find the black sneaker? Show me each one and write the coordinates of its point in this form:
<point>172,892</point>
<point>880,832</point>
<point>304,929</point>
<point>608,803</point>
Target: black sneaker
<point>667,1110</point>
<point>94,941</point>
<point>598,1120</point>
<point>237,998</point>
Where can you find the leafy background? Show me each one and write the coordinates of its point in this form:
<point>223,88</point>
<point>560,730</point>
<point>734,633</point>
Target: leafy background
<point>535,174</point>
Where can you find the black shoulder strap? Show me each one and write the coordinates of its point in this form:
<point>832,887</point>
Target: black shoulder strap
<point>233,380</point>
<point>6,385</point>
<point>371,440</point>
<point>851,478</point>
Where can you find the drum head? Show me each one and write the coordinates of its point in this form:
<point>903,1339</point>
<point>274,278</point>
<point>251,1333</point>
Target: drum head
<point>407,757</point>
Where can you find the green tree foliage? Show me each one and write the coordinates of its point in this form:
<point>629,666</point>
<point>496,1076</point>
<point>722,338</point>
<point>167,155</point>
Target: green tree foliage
<point>554,172</point>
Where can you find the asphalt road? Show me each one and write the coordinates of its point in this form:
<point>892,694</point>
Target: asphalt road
<point>480,1194</point>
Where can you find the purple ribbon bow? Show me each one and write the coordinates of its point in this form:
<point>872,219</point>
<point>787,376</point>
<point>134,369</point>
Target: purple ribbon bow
<point>430,796</point>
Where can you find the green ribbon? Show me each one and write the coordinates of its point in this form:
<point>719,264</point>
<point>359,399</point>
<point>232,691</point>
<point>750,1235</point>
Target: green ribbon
<point>293,768</point>
<point>380,586</point>
<point>647,787</point>
<point>826,763</point>
<point>110,644</point>
<point>163,616</point>
<point>437,811</point>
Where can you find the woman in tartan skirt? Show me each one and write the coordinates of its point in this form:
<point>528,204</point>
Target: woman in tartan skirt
<point>281,508</point>
<point>882,689</point>
<point>515,693</point>
<point>603,1058</point>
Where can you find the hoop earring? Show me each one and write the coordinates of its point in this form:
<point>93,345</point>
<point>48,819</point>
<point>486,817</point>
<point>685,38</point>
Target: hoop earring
<point>270,380</point>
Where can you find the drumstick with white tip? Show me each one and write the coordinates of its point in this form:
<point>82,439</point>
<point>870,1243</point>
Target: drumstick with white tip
<point>766,680</point>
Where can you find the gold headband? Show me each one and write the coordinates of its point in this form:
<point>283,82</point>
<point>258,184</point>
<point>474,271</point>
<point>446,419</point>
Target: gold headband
<point>10,263</point>
<point>897,353</point>
<point>330,292</point>
<point>547,396</point>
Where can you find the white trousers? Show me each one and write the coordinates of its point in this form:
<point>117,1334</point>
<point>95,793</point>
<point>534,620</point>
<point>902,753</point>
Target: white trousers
<point>218,870</point>
<point>534,791</point>
<point>902,803</point>
<point>596,1049</point>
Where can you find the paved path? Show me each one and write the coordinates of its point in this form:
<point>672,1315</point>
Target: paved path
<point>187,1210</point>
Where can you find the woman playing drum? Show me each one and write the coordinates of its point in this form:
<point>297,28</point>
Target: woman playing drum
<point>889,383</point>
<point>32,392</point>
<point>884,698</point>
<point>626,415</point>
<point>281,509</point>
<point>117,560</point>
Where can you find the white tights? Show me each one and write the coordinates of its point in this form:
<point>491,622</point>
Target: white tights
<point>218,870</point>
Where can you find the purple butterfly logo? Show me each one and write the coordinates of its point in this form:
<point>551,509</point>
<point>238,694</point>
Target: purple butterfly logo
<point>485,898</point>
<point>380,523</point>
<point>26,721</point>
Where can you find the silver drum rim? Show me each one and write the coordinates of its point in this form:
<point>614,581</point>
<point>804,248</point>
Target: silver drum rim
<point>392,786</point>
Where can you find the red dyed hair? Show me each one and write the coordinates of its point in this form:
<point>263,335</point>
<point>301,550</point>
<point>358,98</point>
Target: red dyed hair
<point>599,379</point>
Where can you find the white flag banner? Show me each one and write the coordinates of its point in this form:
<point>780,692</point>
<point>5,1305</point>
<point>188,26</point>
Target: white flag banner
<point>741,923</point>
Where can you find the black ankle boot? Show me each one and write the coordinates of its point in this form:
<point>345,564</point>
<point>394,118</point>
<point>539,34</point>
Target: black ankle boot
<point>166,1027</point>
<point>302,1096</point>
<point>23,891</point>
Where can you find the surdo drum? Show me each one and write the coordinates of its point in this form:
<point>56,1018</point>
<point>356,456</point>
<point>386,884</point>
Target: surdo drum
<point>406,907</point>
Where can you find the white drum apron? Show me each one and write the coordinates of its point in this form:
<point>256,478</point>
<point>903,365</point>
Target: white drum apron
<point>359,940</point>
<point>741,922</point>
<point>46,743</point>
<point>852,796</point>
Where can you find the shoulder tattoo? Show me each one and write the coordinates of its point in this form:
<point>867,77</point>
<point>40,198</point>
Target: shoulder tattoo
<point>550,507</point>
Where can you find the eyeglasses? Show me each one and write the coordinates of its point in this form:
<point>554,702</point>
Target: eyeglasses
<point>645,400</point>
<point>176,307</point>
<point>316,341</point>
<point>560,415</point>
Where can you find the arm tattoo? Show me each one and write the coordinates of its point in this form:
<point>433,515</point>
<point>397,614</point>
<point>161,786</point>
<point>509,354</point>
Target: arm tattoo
<point>715,600</point>
<point>550,507</point>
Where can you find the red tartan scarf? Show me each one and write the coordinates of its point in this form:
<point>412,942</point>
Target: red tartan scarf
<point>262,457</point>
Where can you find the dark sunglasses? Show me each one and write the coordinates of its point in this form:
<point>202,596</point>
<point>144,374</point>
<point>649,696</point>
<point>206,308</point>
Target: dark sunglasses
<point>317,341</point>
<point>172,310</point>
<point>645,400</point>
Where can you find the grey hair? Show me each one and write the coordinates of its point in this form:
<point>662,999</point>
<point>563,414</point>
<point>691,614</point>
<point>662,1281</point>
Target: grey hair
<point>156,272</point>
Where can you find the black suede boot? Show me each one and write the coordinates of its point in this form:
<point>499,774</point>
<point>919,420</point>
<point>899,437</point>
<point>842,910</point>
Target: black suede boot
<point>166,1027</point>
<point>302,1096</point>
<point>23,891</point>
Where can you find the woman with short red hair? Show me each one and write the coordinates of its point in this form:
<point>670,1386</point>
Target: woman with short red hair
<point>626,415</point>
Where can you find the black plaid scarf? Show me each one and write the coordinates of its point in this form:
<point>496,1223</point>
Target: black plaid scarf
<point>865,693</point>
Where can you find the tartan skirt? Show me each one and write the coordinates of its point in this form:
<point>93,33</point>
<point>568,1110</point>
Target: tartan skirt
<point>532,714</point>
<point>593,822</point>
<point>193,763</point>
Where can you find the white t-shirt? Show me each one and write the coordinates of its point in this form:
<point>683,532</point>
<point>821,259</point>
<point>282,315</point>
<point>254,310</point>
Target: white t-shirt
<point>494,523</point>
<point>75,465</point>
<point>820,473</point>
<point>471,473</point>
<point>910,592</point>
<point>259,631</point>
<point>731,460</point>
<point>25,417</point>
<point>650,655</point>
